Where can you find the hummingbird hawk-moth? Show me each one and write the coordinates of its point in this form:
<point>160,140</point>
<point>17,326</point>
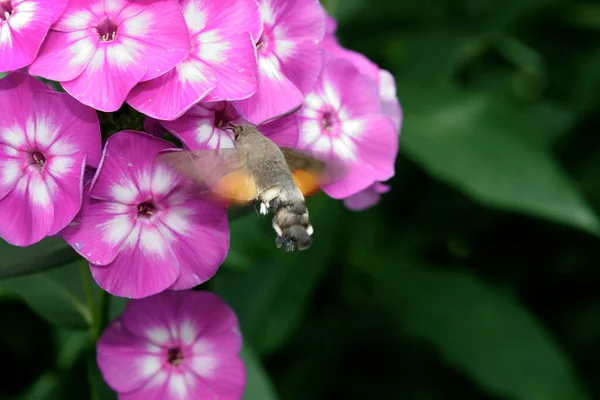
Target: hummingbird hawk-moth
<point>258,169</point>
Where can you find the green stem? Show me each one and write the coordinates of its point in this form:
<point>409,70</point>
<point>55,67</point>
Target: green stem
<point>87,290</point>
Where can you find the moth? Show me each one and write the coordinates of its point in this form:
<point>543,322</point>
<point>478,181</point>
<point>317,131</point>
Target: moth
<point>258,169</point>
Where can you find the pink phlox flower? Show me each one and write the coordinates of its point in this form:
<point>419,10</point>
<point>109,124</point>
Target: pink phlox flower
<point>221,64</point>
<point>99,50</point>
<point>382,78</point>
<point>176,346</point>
<point>203,127</point>
<point>342,120</point>
<point>366,198</point>
<point>289,57</point>
<point>46,140</point>
<point>143,227</point>
<point>23,27</point>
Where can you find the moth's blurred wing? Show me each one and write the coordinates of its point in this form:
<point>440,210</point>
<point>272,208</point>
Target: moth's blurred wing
<point>309,172</point>
<point>222,171</point>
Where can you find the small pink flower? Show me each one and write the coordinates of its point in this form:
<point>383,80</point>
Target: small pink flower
<point>23,26</point>
<point>175,345</point>
<point>99,50</point>
<point>46,139</point>
<point>221,64</point>
<point>342,120</point>
<point>202,127</point>
<point>289,57</point>
<point>143,227</point>
<point>381,77</point>
<point>366,198</point>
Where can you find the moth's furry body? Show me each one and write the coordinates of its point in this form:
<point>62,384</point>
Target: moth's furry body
<point>275,188</point>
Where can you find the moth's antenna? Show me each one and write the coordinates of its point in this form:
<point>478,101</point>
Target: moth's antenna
<point>285,114</point>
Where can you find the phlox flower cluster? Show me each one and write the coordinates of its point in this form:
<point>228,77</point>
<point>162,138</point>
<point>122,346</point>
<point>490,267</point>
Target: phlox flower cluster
<point>190,67</point>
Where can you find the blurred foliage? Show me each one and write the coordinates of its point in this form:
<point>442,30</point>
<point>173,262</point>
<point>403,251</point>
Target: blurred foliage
<point>474,278</point>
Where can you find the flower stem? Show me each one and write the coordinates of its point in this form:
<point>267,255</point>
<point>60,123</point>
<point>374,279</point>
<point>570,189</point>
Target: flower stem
<point>87,289</point>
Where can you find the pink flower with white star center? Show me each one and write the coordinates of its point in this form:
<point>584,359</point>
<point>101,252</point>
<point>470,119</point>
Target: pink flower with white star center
<point>342,120</point>
<point>99,50</point>
<point>203,127</point>
<point>23,27</point>
<point>221,64</point>
<point>175,345</point>
<point>46,139</point>
<point>143,227</point>
<point>289,57</point>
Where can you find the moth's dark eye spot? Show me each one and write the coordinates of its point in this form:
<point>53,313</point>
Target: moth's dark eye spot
<point>106,30</point>
<point>146,209</point>
<point>175,356</point>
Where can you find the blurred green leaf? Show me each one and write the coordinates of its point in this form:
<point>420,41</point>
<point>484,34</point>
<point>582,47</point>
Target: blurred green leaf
<point>480,329</point>
<point>258,385</point>
<point>46,254</point>
<point>271,293</point>
<point>479,144</point>
<point>56,295</point>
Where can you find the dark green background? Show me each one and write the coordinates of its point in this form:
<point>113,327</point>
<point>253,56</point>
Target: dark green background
<point>476,277</point>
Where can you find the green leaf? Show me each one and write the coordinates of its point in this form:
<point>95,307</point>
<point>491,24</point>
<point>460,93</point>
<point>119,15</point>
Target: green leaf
<point>258,385</point>
<point>270,288</point>
<point>56,295</point>
<point>480,329</point>
<point>46,254</point>
<point>479,144</point>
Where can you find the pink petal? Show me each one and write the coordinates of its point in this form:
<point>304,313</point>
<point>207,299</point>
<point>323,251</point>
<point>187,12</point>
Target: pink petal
<point>301,62</point>
<point>296,33</point>
<point>144,266</point>
<point>170,384</point>
<point>234,64</point>
<point>377,148</point>
<point>12,166</point>
<point>172,94</point>
<point>159,31</point>
<point>64,126</point>
<point>389,101</point>
<point>80,15</point>
<point>366,198</point>
<point>330,25</point>
<point>213,323</point>
<point>30,208</point>
<point>127,155</point>
<point>64,178</point>
<point>22,34</point>
<point>282,131</point>
<point>154,319</point>
<point>112,72</point>
<point>126,362</point>
<point>64,55</point>
<point>357,93</point>
<point>276,94</point>
<point>100,229</point>
<point>231,16</point>
<point>226,381</point>
<point>299,19</point>
<point>16,98</point>
<point>202,232</point>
